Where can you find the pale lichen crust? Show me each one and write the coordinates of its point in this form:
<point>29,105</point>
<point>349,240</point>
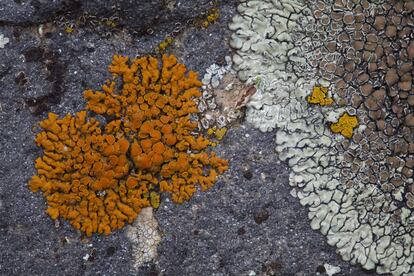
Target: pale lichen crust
<point>352,156</point>
<point>145,237</point>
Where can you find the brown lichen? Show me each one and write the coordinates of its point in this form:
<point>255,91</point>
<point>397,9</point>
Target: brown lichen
<point>100,177</point>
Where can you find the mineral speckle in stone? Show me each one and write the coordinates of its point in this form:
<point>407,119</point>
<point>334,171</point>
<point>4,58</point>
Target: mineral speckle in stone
<point>359,189</point>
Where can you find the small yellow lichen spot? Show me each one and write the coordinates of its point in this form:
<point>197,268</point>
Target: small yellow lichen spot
<point>212,16</point>
<point>345,125</point>
<point>69,30</point>
<point>165,44</point>
<point>111,23</point>
<point>211,130</point>
<point>155,200</point>
<point>220,133</point>
<point>319,96</point>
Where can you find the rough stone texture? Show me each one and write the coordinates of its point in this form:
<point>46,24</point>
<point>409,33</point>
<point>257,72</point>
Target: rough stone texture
<point>247,222</point>
<point>45,68</point>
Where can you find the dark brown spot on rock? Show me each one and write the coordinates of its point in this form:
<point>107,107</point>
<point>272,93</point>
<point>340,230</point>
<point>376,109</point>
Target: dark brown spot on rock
<point>248,174</point>
<point>358,45</point>
<point>33,54</point>
<point>356,100</point>
<point>372,38</point>
<point>331,46</point>
<point>410,100</point>
<point>343,37</point>
<point>349,18</point>
<point>261,216</point>
<point>20,78</point>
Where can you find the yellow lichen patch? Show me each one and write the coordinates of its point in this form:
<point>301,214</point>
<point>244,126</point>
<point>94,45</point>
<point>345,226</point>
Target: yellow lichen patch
<point>110,23</point>
<point>218,132</point>
<point>164,44</point>
<point>212,16</point>
<point>155,199</point>
<point>345,125</point>
<point>69,30</point>
<point>319,96</point>
<point>100,177</point>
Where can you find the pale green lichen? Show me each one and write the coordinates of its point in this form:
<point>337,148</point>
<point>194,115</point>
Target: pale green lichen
<point>272,40</point>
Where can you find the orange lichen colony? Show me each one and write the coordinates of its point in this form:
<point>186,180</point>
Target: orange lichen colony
<point>99,178</point>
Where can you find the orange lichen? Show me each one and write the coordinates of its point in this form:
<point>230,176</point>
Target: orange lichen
<point>319,96</point>
<point>345,125</point>
<point>100,177</point>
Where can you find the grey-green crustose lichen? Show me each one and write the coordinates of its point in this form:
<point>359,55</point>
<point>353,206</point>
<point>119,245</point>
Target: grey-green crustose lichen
<point>293,46</point>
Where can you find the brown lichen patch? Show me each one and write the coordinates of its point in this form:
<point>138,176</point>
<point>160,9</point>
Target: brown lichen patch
<point>100,177</point>
<point>373,53</point>
<point>106,26</point>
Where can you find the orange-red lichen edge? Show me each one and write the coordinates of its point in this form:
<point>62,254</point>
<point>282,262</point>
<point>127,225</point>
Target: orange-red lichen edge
<point>99,177</point>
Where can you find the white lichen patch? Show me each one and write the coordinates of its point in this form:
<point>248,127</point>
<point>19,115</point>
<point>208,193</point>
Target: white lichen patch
<point>3,41</point>
<point>215,73</point>
<point>331,269</point>
<point>266,54</point>
<point>145,237</point>
<point>274,46</point>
